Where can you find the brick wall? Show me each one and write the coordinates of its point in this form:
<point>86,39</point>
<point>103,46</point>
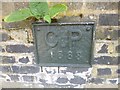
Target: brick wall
<point>17,58</point>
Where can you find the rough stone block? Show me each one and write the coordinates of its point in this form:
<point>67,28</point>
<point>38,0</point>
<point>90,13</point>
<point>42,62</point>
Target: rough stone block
<point>104,47</point>
<point>15,69</point>
<point>19,35</point>
<point>118,71</point>
<point>4,36</point>
<point>43,81</point>
<point>62,80</point>
<point>103,33</point>
<point>29,69</point>
<point>113,81</point>
<point>104,71</point>
<point>77,80</point>
<point>106,60</point>
<point>8,59</point>
<point>96,80</point>
<point>28,78</point>
<point>19,49</point>
<point>118,33</point>
<point>108,19</point>
<point>118,49</point>
<point>14,77</point>
<point>6,69</point>
<point>118,60</point>
<point>24,60</point>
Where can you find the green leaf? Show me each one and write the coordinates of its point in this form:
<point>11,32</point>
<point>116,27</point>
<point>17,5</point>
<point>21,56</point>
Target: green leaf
<point>38,9</point>
<point>19,15</point>
<point>47,18</point>
<point>56,9</point>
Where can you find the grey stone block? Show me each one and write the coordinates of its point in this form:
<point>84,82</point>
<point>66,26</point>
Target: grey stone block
<point>113,81</point>
<point>118,49</point>
<point>43,81</point>
<point>19,49</point>
<point>7,59</point>
<point>5,36</point>
<point>118,33</point>
<point>77,80</point>
<point>6,69</point>
<point>108,19</point>
<point>104,49</point>
<point>14,77</point>
<point>29,69</point>
<point>96,80</point>
<point>106,34</point>
<point>106,60</point>
<point>24,60</point>
<point>28,78</point>
<point>15,69</point>
<point>118,71</point>
<point>105,71</point>
<point>62,80</point>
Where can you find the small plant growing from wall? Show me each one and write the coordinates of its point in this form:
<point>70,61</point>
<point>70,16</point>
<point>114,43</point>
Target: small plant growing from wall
<point>37,10</point>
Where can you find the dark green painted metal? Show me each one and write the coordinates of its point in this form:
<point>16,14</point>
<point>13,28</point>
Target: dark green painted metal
<point>64,44</point>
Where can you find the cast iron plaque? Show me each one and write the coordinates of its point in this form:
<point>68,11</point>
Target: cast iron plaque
<point>63,44</point>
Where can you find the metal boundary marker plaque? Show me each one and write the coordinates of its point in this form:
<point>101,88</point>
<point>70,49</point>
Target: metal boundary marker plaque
<point>64,44</point>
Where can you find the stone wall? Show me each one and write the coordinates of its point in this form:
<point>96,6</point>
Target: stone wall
<point>18,65</point>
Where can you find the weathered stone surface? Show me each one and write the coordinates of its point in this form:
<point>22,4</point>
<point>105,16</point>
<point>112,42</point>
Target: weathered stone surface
<point>5,36</point>
<point>118,49</point>
<point>96,80</point>
<point>6,69</point>
<point>19,35</point>
<point>102,5</point>
<point>104,49</point>
<point>7,59</point>
<point>19,49</point>
<point>77,80</point>
<point>14,77</point>
<point>62,80</point>
<point>113,81</point>
<point>15,69</point>
<point>118,71</point>
<point>29,69</point>
<point>104,71</point>
<point>118,59</point>
<point>108,19</point>
<point>42,80</point>
<point>24,60</point>
<point>28,78</point>
<point>107,34</point>
<point>106,60</point>
<point>118,33</point>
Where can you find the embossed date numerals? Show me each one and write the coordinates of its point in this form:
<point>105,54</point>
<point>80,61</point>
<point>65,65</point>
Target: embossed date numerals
<point>69,55</point>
